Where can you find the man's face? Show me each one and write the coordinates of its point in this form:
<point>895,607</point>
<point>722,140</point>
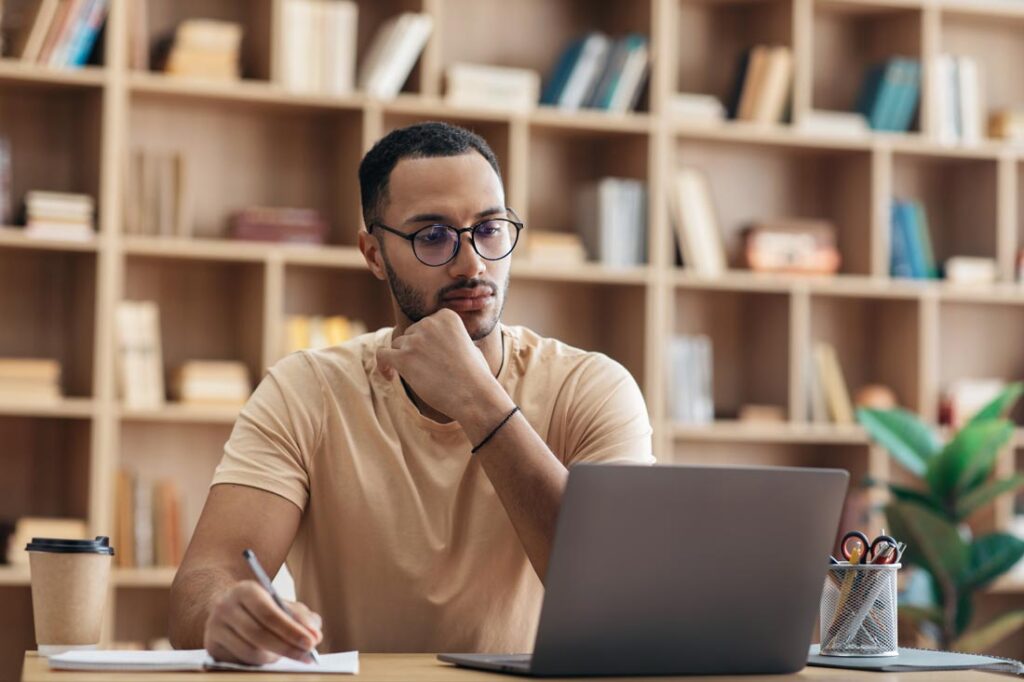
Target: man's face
<point>459,191</point>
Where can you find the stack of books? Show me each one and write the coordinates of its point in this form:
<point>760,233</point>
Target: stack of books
<point>830,397</point>
<point>28,527</point>
<point>29,380</point>
<point>140,356</point>
<point>555,248</point>
<point>912,256</point>
<point>147,523</point>
<point>56,33</point>
<point>763,80</point>
<point>156,203</point>
<point>59,215</point>
<point>889,96</point>
<point>612,220</point>
<point>318,46</point>
<point>211,382</point>
<point>958,91</point>
<point>696,223</point>
<point>480,86</point>
<point>690,387</point>
<point>290,225</point>
<point>598,72</point>
<point>393,53</point>
<point>207,49</point>
<point>304,332</point>
<point>696,108</point>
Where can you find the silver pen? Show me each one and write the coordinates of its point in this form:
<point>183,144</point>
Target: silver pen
<point>264,580</point>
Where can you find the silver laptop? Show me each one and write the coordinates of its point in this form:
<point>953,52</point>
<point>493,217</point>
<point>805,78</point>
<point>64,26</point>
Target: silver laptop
<point>675,570</point>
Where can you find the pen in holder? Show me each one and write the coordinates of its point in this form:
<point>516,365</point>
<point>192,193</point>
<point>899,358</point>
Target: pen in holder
<point>858,610</point>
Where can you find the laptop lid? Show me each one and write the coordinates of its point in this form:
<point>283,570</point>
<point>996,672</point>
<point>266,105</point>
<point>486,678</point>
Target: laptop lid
<point>687,570</point>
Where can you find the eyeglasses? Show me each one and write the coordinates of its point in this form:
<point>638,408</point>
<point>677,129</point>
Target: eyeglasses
<point>438,244</point>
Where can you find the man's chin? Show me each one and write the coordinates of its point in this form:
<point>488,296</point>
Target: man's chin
<point>479,323</point>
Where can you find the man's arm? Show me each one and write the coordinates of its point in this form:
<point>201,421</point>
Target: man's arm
<point>215,604</point>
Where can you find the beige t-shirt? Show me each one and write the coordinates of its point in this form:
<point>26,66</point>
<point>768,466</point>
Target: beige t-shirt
<point>404,545</point>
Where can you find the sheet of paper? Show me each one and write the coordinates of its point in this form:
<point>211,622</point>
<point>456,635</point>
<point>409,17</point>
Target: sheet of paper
<point>195,659</point>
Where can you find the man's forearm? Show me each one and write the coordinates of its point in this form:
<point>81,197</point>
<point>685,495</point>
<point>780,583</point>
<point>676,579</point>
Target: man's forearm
<point>527,476</point>
<point>192,596</point>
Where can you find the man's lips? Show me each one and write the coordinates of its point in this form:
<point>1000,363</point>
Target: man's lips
<point>476,292</point>
<point>468,299</point>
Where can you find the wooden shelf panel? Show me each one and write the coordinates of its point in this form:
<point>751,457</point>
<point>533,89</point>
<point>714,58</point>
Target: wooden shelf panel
<point>14,576</point>
<point>250,92</point>
<point>742,432</point>
<point>16,71</point>
<point>584,273</point>
<point>182,414</point>
<point>71,408</point>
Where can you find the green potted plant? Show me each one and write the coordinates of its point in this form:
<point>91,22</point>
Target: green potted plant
<point>955,481</point>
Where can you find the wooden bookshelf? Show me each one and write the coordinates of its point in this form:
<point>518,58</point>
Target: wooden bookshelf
<point>72,130</point>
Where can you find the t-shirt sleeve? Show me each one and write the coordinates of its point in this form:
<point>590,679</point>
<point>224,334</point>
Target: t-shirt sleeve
<point>606,418</point>
<point>277,432</point>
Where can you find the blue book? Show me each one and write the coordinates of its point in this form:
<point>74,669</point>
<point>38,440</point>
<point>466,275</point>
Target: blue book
<point>870,101</point>
<point>733,106</point>
<point>915,249</point>
<point>925,237</point>
<point>566,63</point>
<point>899,264</point>
<point>85,36</point>
<point>910,94</point>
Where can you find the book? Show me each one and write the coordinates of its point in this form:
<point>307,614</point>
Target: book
<point>492,87</point>
<point>611,218</point>
<point>971,270</point>
<point>140,358</point>
<point>753,80</point>
<point>194,660</point>
<point>971,103</point>
<point>28,527</point>
<point>770,101</point>
<point>833,384</point>
<point>393,53</point>
<point>622,83</point>
<point>586,72</point>
<point>555,248</point>
<point>690,382</point>
<point>59,215</point>
<point>851,123</point>
<point>697,230</point>
<point>207,49</point>
<point>696,108</point>
<point>276,224</point>
<point>318,46</point>
<point>147,521</point>
<point>158,199</point>
<point>211,382</point>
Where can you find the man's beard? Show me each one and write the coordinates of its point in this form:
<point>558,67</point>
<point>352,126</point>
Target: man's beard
<point>414,305</point>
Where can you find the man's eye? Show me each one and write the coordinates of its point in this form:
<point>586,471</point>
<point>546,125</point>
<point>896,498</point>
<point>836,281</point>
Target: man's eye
<point>432,236</point>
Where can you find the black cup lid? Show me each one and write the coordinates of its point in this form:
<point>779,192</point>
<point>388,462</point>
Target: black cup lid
<point>101,545</point>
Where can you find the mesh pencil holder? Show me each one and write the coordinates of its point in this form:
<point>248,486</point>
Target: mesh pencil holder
<point>858,610</point>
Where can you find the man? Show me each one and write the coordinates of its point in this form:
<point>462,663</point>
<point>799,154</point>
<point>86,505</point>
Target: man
<point>413,475</point>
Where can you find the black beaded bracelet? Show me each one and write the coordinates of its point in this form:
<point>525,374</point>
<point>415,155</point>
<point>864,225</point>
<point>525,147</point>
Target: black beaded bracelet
<point>495,430</point>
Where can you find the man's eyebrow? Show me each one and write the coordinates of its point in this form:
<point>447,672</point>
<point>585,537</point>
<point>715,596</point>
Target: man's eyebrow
<point>439,218</point>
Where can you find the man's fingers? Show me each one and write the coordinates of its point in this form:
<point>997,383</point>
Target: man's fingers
<point>269,615</point>
<point>309,618</point>
<point>259,635</point>
<point>231,646</point>
<point>386,361</point>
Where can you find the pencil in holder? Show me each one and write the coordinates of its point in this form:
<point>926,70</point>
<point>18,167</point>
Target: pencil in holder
<point>858,610</point>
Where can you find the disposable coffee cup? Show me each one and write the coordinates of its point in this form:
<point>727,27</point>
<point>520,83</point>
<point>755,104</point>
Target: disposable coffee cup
<point>69,592</point>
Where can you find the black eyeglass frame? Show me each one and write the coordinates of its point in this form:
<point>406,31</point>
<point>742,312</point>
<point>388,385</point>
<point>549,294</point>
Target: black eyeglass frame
<point>459,231</point>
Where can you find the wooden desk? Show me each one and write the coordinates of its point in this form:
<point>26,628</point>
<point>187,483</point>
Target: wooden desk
<point>426,668</point>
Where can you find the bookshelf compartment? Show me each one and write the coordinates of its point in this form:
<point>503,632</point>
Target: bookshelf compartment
<point>996,43</point>
<point>140,615</point>
<point>849,38</point>
<point>327,291</point>
<point>208,310</point>
<point>162,17</point>
<point>853,326</point>
<point>749,334</point>
<point>54,137</point>
<point>713,36</point>
<point>563,162</point>
<point>981,341</point>
<point>277,155</point>
<point>551,25</point>
<point>578,313</point>
<point>187,454</point>
<point>48,308</point>
<point>959,197</point>
<point>752,182</point>
<point>18,626</point>
<point>46,467</point>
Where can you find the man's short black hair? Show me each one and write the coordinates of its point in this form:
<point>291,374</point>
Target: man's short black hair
<point>423,140</point>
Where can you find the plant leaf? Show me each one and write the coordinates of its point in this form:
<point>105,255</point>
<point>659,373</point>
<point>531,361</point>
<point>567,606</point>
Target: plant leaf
<point>984,638</point>
<point>964,611</point>
<point>908,439</point>
<point>1001,404</point>
<point>922,614</point>
<point>991,556</point>
<point>932,542</point>
<point>922,497</point>
<point>968,458</point>
<point>982,495</point>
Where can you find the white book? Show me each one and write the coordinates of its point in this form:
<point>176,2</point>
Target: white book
<point>822,122</point>
<point>697,227</point>
<point>81,232</point>
<point>483,86</point>
<point>194,660</point>
<point>770,106</point>
<point>296,23</point>
<point>971,105</point>
<point>140,358</point>
<point>694,107</point>
<point>339,46</point>
<point>397,59</point>
<point>585,72</point>
<point>143,524</point>
<point>631,80</point>
<point>382,44</point>
<point>947,100</point>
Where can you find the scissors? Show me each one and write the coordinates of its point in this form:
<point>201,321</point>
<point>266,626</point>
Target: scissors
<point>856,548</point>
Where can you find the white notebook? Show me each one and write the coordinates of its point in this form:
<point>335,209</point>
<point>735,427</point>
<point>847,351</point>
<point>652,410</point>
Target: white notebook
<point>195,659</point>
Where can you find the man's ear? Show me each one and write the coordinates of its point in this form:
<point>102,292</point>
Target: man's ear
<point>370,248</point>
